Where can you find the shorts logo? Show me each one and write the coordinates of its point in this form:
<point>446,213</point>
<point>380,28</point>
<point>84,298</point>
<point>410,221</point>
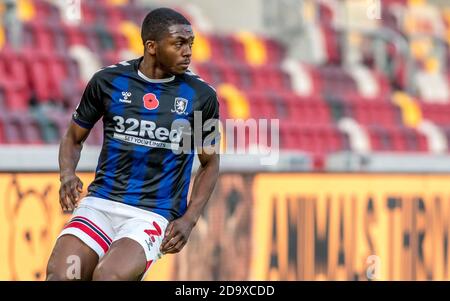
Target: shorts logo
<point>150,101</point>
<point>149,244</point>
<point>180,106</point>
<point>152,232</point>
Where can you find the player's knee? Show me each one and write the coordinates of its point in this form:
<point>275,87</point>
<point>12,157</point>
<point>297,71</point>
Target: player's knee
<point>56,277</point>
<point>55,274</point>
<point>105,273</point>
<point>59,272</point>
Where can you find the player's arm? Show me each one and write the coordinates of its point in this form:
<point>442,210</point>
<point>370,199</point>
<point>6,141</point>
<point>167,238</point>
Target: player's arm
<point>69,155</point>
<point>178,231</point>
<point>87,113</point>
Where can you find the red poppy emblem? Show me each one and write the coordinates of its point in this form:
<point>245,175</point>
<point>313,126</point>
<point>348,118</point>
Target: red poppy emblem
<point>150,101</point>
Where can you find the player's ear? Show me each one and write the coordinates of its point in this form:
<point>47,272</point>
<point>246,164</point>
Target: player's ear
<point>150,47</point>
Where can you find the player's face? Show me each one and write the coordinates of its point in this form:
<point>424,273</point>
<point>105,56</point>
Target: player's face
<point>175,50</point>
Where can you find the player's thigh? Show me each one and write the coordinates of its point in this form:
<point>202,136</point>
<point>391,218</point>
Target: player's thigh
<point>84,239</point>
<point>125,261</point>
<point>71,259</point>
<point>135,248</point>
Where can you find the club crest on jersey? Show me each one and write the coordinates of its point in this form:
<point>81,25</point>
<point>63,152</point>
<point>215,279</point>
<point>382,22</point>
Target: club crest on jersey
<point>150,101</point>
<point>180,106</point>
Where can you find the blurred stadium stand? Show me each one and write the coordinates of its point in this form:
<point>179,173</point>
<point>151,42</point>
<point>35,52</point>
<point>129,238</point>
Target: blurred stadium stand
<point>352,91</point>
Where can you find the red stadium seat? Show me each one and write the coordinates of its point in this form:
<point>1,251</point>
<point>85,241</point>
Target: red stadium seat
<point>11,131</point>
<point>318,141</point>
<point>375,112</point>
<point>88,10</point>
<point>271,77</point>
<point>236,48</point>
<point>43,37</point>
<point>96,135</point>
<point>229,74</point>
<point>210,72</point>
<point>275,52</point>
<point>307,110</point>
<point>59,121</point>
<point>438,113</point>
<point>44,71</point>
<point>331,37</point>
<point>335,81</point>
<point>21,128</point>
<point>218,51</point>
<point>415,141</point>
<point>2,130</point>
<point>312,138</point>
<point>120,41</point>
<point>74,35</point>
<point>39,80</point>
<point>380,139</point>
<point>223,109</point>
<point>90,38</point>
<point>203,71</point>
<point>16,66</point>
<point>396,139</point>
<point>15,95</point>
<point>110,57</point>
<point>261,105</point>
<point>45,11</point>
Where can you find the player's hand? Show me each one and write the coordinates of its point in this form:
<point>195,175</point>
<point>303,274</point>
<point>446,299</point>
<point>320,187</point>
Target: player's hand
<point>176,235</point>
<point>69,192</point>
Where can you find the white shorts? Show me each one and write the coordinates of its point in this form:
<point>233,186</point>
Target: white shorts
<point>99,222</point>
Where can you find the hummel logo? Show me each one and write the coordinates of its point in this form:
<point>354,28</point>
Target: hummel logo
<point>125,96</point>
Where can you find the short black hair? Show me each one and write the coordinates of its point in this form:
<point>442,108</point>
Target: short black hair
<point>157,22</point>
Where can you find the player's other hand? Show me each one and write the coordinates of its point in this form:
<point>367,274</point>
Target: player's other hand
<point>176,235</point>
<point>69,192</point>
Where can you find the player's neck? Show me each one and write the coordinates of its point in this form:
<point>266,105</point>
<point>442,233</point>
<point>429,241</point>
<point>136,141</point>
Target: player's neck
<point>150,69</point>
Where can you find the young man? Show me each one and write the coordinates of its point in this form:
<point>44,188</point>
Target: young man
<point>136,208</point>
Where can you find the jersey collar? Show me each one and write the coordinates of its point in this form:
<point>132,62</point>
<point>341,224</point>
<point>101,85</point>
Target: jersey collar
<point>156,81</point>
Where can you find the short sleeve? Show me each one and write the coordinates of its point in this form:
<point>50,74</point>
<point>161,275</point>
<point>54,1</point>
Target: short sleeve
<point>210,121</point>
<point>91,107</point>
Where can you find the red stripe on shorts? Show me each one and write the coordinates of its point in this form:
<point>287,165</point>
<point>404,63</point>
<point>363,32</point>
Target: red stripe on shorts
<point>89,232</point>
<point>98,228</point>
<point>149,263</point>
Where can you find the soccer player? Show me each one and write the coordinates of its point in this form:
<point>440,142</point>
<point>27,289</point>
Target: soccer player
<point>136,208</point>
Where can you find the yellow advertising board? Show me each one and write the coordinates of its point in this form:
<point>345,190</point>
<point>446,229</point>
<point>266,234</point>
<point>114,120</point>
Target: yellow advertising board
<point>266,227</point>
<point>31,219</point>
<point>350,227</point>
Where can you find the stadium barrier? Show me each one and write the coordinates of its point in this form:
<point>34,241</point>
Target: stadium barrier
<point>266,226</point>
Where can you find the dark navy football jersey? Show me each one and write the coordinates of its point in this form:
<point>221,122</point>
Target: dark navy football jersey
<point>146,124</point>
